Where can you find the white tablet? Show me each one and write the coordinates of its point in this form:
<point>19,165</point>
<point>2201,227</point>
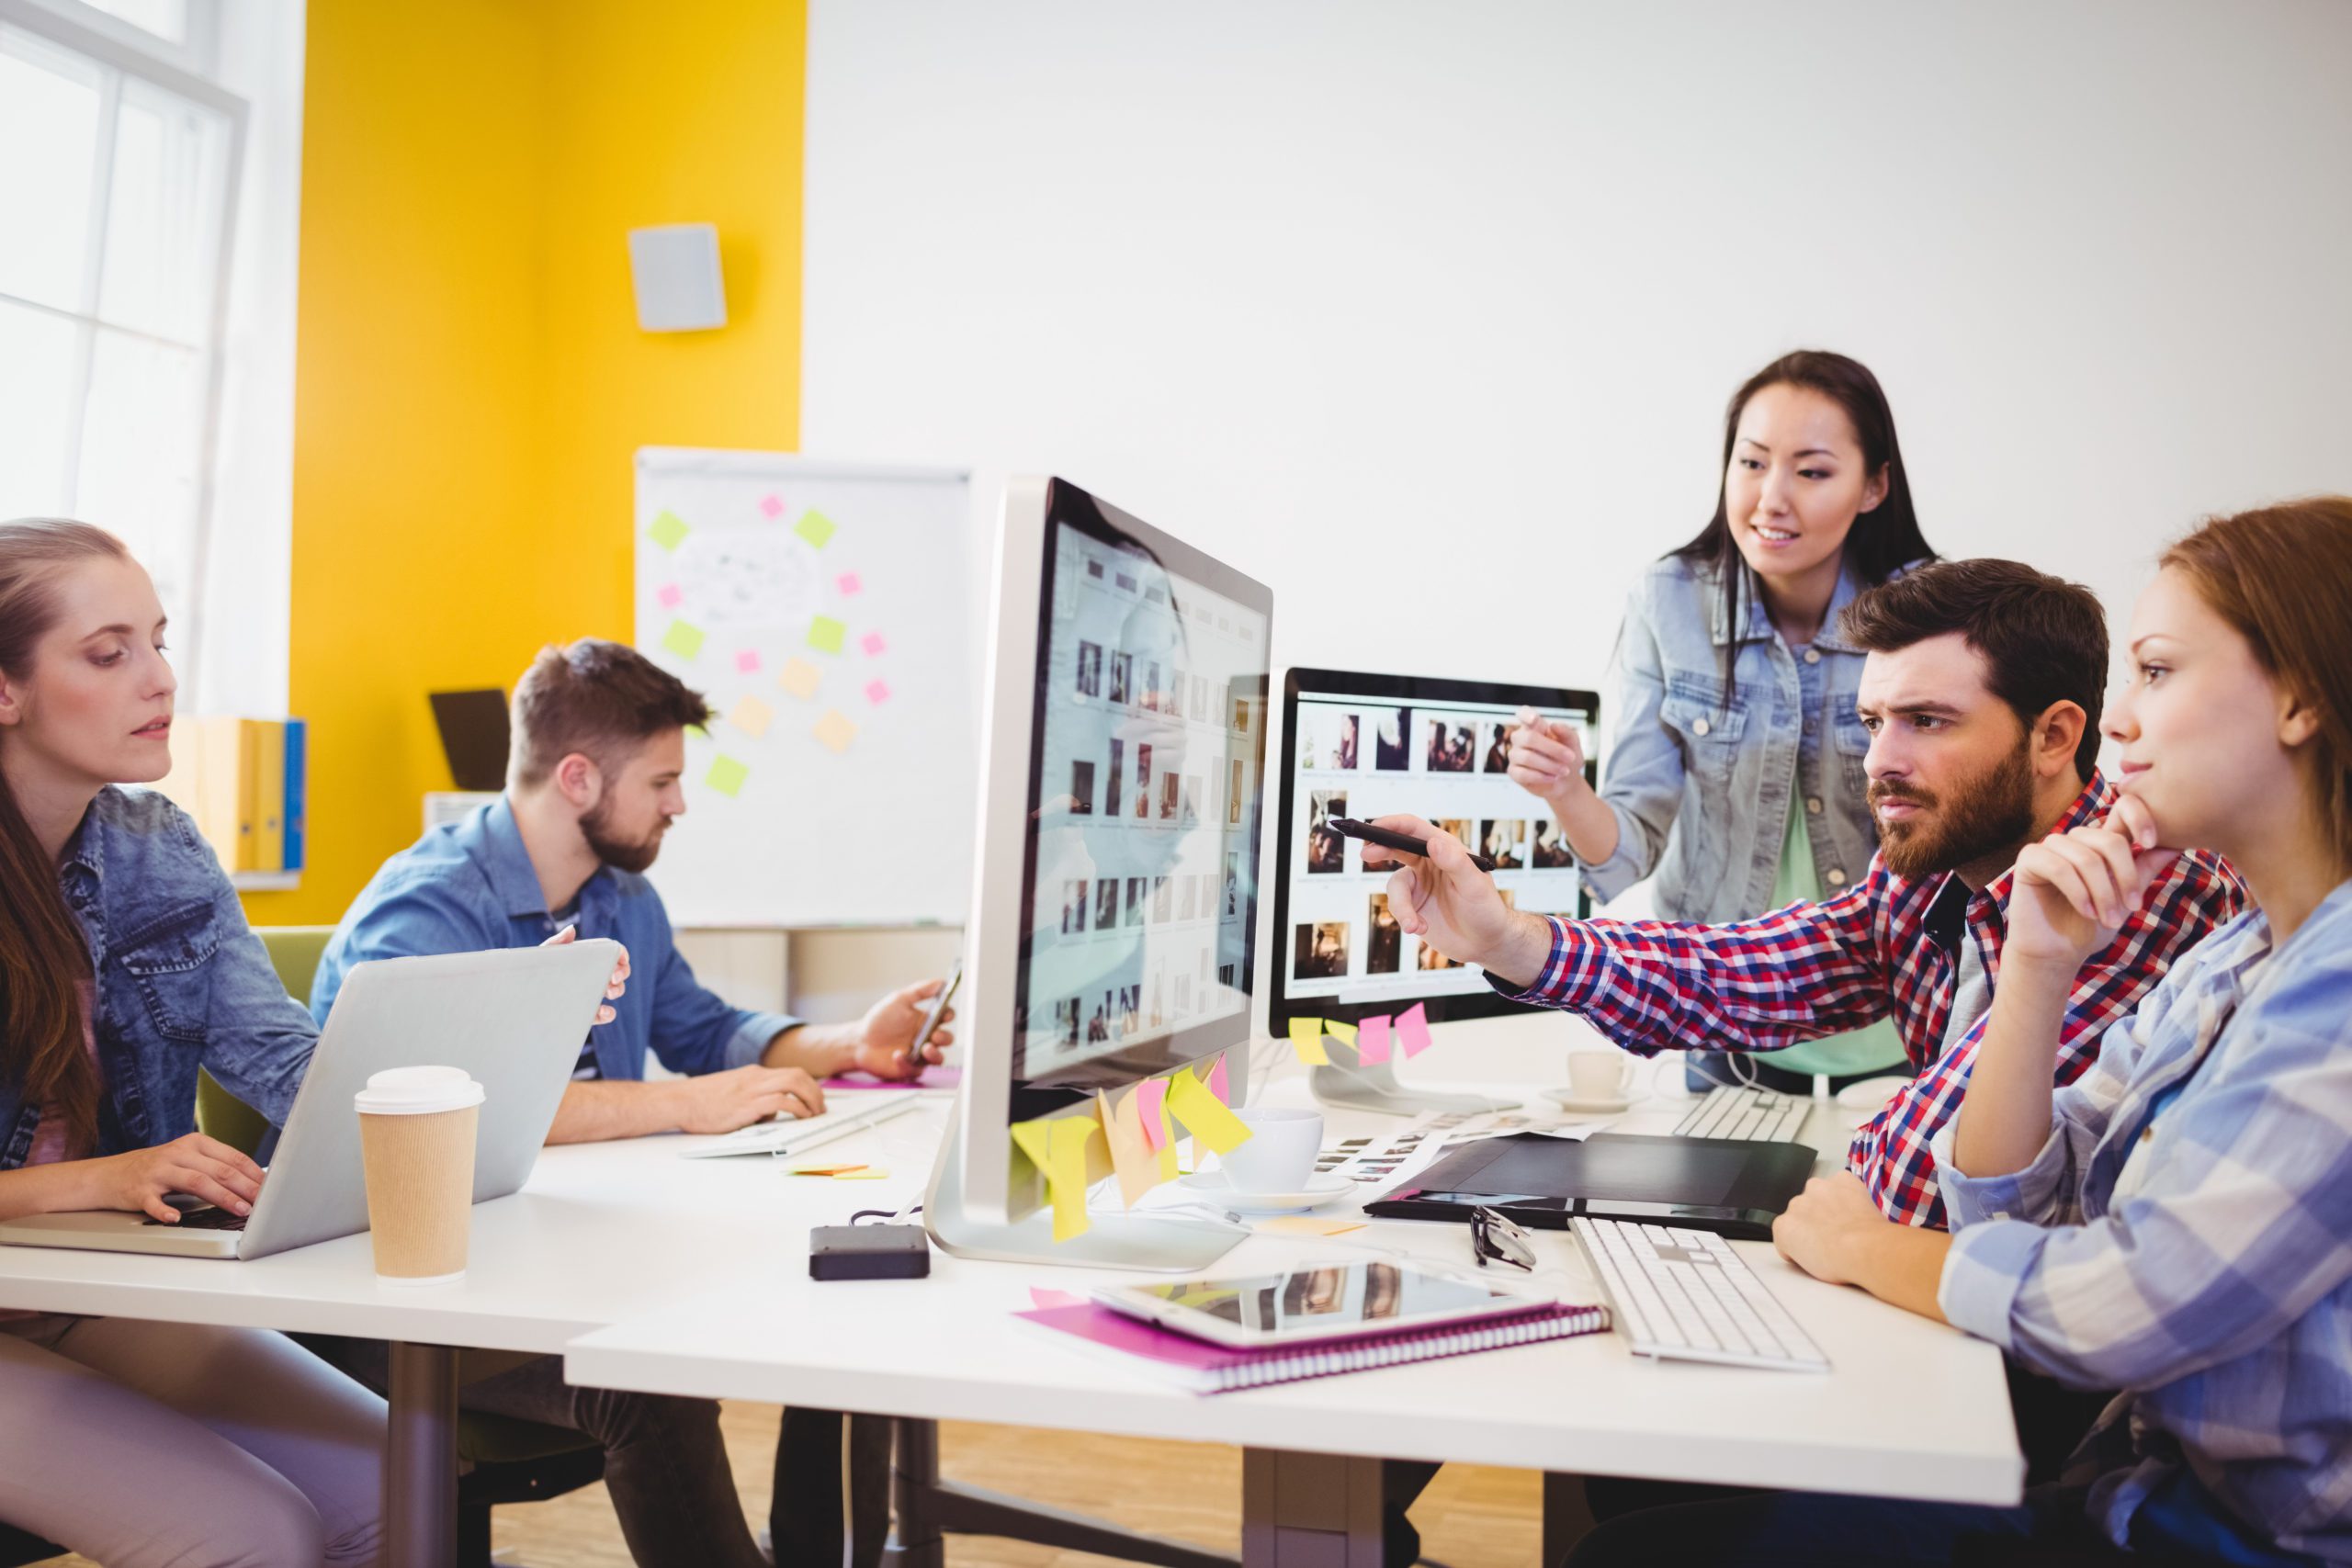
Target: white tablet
<point>1337,1301</point>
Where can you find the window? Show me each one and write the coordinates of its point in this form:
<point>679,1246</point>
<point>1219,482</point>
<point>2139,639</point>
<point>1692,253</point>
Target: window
<point>116,176</point>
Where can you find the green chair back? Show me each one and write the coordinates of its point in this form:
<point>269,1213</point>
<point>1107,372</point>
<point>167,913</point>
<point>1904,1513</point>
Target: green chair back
<point>294,953</point>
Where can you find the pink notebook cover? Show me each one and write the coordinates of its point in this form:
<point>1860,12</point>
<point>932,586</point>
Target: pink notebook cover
<point>1212,1369</point>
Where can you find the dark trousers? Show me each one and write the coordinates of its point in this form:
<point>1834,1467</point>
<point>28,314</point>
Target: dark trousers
<point>1754,1529</point>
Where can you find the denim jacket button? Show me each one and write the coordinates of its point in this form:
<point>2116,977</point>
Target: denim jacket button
<point>1700,727</point>
<point>1813,656</point>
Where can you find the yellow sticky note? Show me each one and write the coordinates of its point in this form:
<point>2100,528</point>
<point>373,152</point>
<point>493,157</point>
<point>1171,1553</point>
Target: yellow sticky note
<point>684,638</point>
<point>1204,1114</point>
<point>862,1173</point>
<point>799,677</point>
<point>1065,1176</point>
<point>1305,1225</point>
<point>825,634</point>
<point>1306,1042</point>
<point>815,528</point>
<point>1034,1139</point>
<point>752,717</point>
<point>834,732</point>
<point>727,776</point>
<point>1131,1156</point>
<point>823,1170</point>
<point>1345,1033</point>
<point>669,531</point>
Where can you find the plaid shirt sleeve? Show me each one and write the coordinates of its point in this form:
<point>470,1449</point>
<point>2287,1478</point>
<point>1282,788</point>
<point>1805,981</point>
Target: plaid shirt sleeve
<point>1757,984</point>
<point>1891,1154</point>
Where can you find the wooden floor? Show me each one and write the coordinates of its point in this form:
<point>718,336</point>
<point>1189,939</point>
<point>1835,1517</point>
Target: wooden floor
<point>1470,1517</point>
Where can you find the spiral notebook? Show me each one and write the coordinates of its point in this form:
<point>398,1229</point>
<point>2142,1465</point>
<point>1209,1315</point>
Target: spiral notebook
<point>1205,1368</point>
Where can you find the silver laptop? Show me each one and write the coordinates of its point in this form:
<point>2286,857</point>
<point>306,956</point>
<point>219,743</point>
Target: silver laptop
<point>514,1019</point>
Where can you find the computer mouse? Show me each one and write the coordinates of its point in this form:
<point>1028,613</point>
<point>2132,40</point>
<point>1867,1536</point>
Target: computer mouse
<point>187,1202</point>
<point>1869,1094</point>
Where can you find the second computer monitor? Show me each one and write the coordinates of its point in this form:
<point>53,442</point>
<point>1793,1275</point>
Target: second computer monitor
<point>1367,746</point>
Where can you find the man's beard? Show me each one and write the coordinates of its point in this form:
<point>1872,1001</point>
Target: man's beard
<point>1990,813</point>
<point>620,854</point>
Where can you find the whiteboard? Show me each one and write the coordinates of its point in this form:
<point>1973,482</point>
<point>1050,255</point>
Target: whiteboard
<point>825,611</point>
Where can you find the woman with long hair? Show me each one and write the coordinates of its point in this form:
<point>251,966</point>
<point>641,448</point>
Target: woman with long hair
<point>1737,775</point>
<point>2177,1221</point>
<point>125,965</point>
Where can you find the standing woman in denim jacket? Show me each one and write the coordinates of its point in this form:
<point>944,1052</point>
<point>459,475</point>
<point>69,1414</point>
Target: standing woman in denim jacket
<point>125,965</point>
<point>1737,775</point>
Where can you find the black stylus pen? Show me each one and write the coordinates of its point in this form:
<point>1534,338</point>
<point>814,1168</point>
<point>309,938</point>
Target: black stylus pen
<point>1348,827</point>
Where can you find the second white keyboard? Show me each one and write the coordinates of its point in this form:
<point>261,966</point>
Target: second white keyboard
<point>1753,1115</point>
<point>1686,1295</point>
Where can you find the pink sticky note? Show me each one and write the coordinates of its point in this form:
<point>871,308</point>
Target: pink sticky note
<point>747,662</point>
<point>1216,1081</point>
<point>872,643</point>
<point>847,582</point>
<point>877,692</point>
<point>1372,1039</point>
<point>1046,1299</point>
<point>772,505</point>
<point>1413,1030</point>
<point>1149,1094</point>
<point>670,595</point>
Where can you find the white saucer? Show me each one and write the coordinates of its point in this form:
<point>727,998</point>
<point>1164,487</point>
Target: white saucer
<point>1319,1191</point>
<point>1600,1105</point>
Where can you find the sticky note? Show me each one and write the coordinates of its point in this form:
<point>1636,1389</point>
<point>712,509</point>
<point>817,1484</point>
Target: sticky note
<point>696,732</point>
<point>748,662</point>
<point>1034,1139</point>
<point>727,776</point>
<point>752,717</point>
<point>1413,1030</point>
<point>1306,1042</point>
<point>877,692</point>
<point>825,634</point>
<point>772,506</point>
<point>872,643</point>
<point>834,733</point>
<point>1372,1046</point>
<point>823,1169</point>
<point>669,531</point>
<point>1131,1156</point>
<point>864,1173</point>
<point>1216,1082</point>
<point>1345,1033</point>
<point>1204,1115</point>
<point>1043,1299</point>
<point>848,582</point>
<point>799,677</point>
<point>684,638</point>
<point>815,528</point>
<point>669,595</point>
<point>1305,1225</point>
<point>1150,1095</point>
<point>1066,1175</point>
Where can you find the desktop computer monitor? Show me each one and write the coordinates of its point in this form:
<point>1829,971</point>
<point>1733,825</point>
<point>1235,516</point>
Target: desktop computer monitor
<point>1115,894</point>
<point>1365,745</point>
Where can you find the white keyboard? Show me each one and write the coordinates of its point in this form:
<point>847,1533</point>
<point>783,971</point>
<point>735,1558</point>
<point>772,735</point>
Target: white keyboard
<point>790,1135</point>
<point>1753,1115</point>
<point>1686,1295</point>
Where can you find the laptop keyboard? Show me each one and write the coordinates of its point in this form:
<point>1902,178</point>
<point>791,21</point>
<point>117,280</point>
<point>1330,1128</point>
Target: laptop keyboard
<point>1751,1115</point>
<point>208,1220</point>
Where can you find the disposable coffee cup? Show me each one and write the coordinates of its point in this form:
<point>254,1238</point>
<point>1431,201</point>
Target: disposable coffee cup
<point>1279,1153</point>
<point>416,1143</point>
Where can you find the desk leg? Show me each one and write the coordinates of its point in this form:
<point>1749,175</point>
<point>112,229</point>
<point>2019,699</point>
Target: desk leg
<point>1567,1516</point>
<point>1309,1510</point>
<point>421,1458</point>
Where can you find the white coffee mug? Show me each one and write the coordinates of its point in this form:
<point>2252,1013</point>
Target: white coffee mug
<point>1279,1153</point>
<point>1600,1074</point>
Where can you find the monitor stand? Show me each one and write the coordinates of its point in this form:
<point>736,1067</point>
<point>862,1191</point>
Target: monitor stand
<point>1347,1082</point>
<point>1167,1243</point>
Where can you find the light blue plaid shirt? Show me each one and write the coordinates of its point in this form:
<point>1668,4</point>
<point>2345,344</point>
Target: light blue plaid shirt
<point>2185,1235</point>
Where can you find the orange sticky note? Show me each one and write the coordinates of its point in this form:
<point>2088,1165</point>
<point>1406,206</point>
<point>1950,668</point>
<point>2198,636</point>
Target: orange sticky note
<point>823,1169</point>
<point>1371,1047</point>
<point>799,677</point>
<point>1131,1156</point>
<point>862,1173</point>
<point>752,717</point>
<point>834,733</point>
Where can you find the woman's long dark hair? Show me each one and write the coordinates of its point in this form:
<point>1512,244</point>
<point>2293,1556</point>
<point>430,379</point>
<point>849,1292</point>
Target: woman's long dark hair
<point>1883,538</point>
<point>42,958</point>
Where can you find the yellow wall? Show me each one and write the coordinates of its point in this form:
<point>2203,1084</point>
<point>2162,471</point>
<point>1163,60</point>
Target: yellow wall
<point>471,383</point>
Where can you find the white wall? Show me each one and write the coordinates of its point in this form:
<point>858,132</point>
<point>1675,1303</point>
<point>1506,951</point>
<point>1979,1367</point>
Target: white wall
<point>1426,314</point>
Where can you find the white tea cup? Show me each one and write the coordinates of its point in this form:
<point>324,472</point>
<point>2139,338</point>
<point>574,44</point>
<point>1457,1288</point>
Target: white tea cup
<point>1279,1153</point>
<point>1600,1074</point>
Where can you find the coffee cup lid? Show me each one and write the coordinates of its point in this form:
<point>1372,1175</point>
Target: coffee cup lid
<point>418,1091</point>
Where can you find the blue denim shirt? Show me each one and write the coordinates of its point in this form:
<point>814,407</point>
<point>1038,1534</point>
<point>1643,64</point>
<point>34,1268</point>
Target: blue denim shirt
<point>468,886</point>
<point>1701,786</point>
<point>182,982</point>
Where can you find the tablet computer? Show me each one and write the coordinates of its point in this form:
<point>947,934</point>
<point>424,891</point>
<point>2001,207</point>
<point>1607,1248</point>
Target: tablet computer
<point>1330,1301</point>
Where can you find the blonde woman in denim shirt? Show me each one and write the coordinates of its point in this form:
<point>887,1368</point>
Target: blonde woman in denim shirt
<point>1736,776</point>
<point>125,963</point>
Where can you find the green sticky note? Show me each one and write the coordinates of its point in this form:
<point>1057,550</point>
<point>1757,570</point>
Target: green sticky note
<point>669,531</point>
<point>815,528</point>
<point>684,638</point>
<point>727,776</point>
<point>825,634</point>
